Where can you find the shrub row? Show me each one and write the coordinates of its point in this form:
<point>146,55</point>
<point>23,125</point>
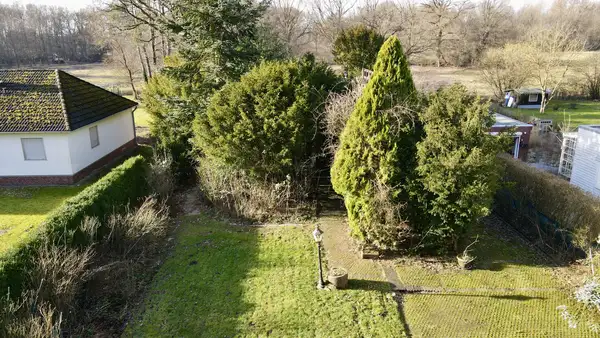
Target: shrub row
<point>125,184</point>
<point>549,210</point>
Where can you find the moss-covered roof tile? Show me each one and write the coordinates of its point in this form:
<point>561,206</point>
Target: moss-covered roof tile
<point>52,100</point>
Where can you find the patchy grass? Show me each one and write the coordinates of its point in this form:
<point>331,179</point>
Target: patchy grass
<point>23,209</point>
<point>225,281</point>
<point>431,78</point>
<point>103,75</point>
<point>512,292</point>
<point>572,112</point>
<point>142,118</point>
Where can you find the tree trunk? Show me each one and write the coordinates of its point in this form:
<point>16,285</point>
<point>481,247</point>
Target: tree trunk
<point>543,104</point>
<point>148,67</point>
<point>129,72</point>
<point>135,94</point>
<point>153,45</point>
<point>438,47</point>
<point>145,74</point>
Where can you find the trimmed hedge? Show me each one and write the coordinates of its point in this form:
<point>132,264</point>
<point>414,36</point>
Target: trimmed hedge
<point>549,210</point>
<point>124,185</point>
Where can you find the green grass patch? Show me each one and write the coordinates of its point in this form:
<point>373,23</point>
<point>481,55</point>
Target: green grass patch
<point>142,118</point>
<point>560,112</point>
<point>510,293</point>
<point>225,281</point>
<point>23,209</point>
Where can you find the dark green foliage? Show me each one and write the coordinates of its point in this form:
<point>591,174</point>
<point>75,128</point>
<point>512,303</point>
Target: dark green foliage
<point>564,216</point>
<point>266,123</point>
<point>125,184</point>
<point>165,99</point>
<point>219,38</point>
<point>357,48</point>
<point>219,41</point>
<point>458,166</point>
<point>375,163</point>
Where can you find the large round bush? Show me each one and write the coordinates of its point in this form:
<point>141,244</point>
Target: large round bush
<point>267,123</point>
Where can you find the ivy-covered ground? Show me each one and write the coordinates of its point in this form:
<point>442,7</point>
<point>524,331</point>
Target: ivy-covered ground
<point>23,209</point>
<point>226,280</point>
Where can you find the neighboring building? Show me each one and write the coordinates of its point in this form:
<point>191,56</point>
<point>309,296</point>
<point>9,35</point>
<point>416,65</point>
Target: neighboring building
<point>567,155</point>
<point>57,129</point>
<point>521,135</point>
<point>526,98</point>
<point>586,162</point>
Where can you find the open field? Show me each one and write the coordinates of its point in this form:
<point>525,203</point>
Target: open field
<point>23,209</point>
<point>431,78</point>
<point>572,113</point>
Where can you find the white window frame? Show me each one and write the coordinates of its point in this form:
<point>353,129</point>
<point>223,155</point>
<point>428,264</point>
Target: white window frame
<point>535,96</point>
<point>91,130</point>
<point>25,153</point>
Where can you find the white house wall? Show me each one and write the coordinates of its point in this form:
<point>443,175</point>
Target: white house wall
<point>113,132</point>
<point>13,163</point>
<point>586,162</point>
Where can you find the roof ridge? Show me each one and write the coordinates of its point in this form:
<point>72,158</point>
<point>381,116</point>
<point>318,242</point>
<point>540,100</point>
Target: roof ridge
<point>91,84</point>
<point>62,99</point>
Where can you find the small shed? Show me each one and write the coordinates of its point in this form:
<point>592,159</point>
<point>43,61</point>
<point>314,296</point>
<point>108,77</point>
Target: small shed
<point>521,134</point>
<point>525,98</point>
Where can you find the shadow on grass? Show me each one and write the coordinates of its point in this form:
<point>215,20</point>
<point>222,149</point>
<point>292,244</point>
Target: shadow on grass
<point>200,289</point>
<point>384,287</point>
<point>520,298</point>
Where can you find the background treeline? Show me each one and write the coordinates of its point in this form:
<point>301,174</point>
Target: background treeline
<point>433,32</point>
<point>40,34</point>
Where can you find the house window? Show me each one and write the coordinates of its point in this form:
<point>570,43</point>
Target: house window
<point>33,149</point>
<point>533,97</point>
<point>94,137</point>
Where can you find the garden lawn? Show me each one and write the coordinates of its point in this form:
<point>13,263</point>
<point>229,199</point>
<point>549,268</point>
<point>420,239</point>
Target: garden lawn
<point>224,281</point>
<point>23,209</point>
<point>510,293</point>
<point>141,116</point>
<point>560,112</point>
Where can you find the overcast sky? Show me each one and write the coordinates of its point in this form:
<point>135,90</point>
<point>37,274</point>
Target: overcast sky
<point>77,4</point>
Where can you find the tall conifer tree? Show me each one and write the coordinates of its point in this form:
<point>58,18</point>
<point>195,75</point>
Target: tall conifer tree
<point>375,163</point>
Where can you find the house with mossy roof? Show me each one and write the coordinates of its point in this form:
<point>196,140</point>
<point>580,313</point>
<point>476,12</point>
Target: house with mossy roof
<point>56,129</point>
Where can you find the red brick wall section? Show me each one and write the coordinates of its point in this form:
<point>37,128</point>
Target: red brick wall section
<point>66,180</point>
<point>35,180</point>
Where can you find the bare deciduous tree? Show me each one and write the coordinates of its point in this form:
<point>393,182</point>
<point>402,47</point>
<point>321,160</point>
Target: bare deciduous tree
<point>330,17</point>
<point>503,68</point>
<point>549,51</point>
<point>442,16</point>
<point>411,29</point>
<point>290,23</point>
<point>39,34</point>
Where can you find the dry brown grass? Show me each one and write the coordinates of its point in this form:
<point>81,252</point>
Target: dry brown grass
<point>235,192</point>
<point>91,289</point>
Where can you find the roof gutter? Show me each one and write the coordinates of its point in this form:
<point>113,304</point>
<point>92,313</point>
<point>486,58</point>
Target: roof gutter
<point>133,120</point>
